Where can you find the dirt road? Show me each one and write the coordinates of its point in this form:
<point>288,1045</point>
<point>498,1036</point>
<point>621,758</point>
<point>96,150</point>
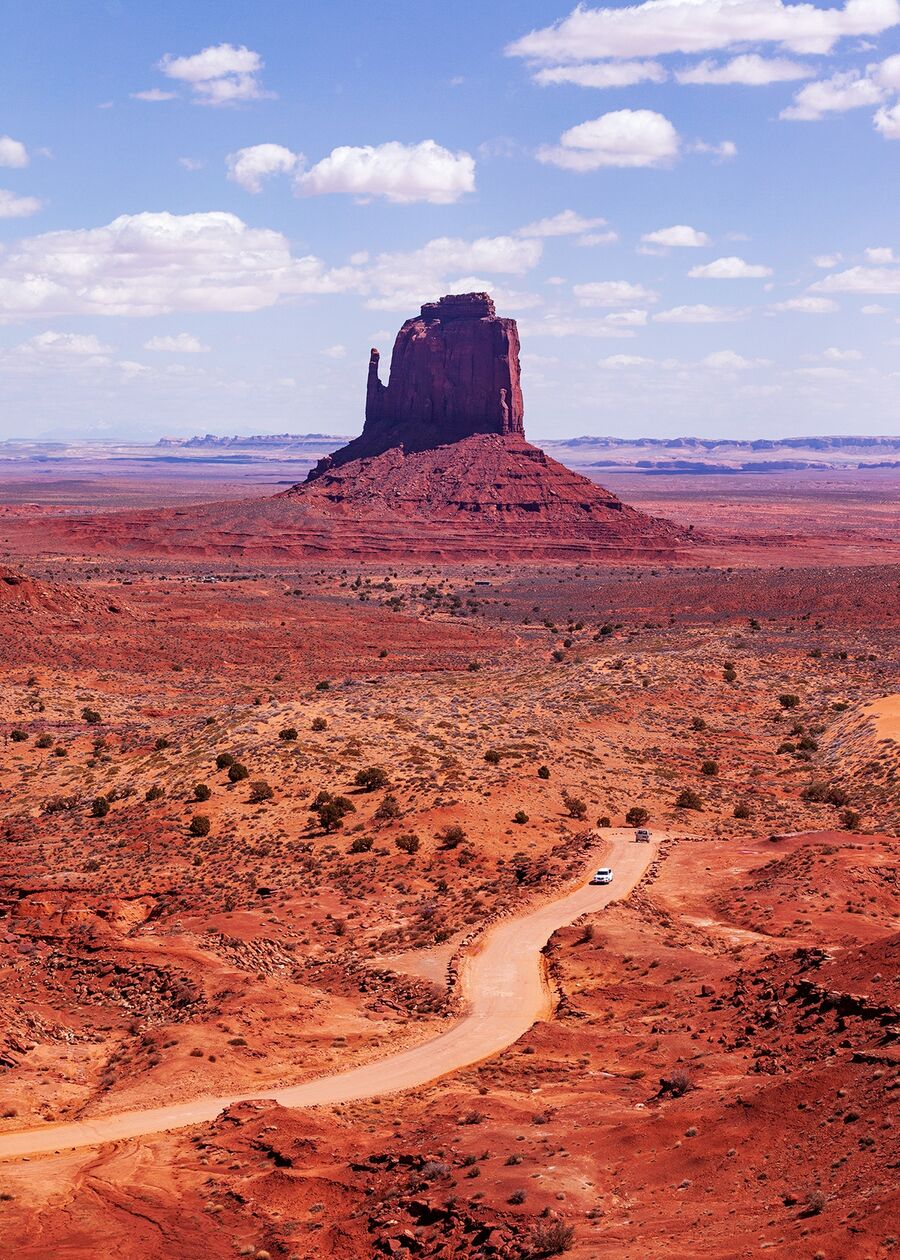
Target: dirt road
<point>503,986</point>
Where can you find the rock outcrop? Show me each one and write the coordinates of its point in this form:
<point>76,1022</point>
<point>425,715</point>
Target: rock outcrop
<point>454,374</point>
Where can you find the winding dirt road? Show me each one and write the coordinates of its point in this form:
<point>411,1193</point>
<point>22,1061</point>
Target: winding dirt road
<point>504,990</point>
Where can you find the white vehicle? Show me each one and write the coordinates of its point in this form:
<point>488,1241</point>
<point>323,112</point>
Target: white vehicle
<point>642,834</point>
<point>603,876</point>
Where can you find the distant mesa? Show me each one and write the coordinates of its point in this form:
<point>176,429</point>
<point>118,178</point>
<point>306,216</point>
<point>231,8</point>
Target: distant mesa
<point>444,443</point>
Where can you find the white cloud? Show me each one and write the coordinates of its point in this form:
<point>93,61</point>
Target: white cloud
<point>826,261</point>
<point>841,356</point>
<point>861,280</point>
<point>625,137</point>
<point>402,281</point>
<point>14,207</point>
<point>656,27</point>
<point>130,370</point>
<point>249,167</point>
<point>881,255</point>
<point>190,164</point>
<point>598,238</point>
<point>807,306</point>
<point>613,293</point>
<point>12,152</point>
<point>887,73</point>
<point>701,314</point>
<point>398,172</point>
<point>724,151</point>
<point>51,342</point>
<point>874,309</point>
<point>887,121</point>
<point>219,75</point>
<point>155,263</point>
<point>619,324</point>
<point>749,70</point>
<point>566,223</point>
<point>678,237</point>
<point>335,352</point>
<point>730,361</point>
<point>610,74</point>
<point>180,343</point>
<point>154,94</point>
<point>614,361</point>
<point>729,269</point>
<point>843,91</point>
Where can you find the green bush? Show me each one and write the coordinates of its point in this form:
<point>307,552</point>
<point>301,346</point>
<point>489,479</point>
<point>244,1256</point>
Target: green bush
<point>237,771</point>
<point>371,778</point>
<point>408,843</point>
<point>260,791</point>
<point>688,799</point>
<point>742,810</point>
<point>289,734</point>
<point>91,716</point>
<point>543,772</point>
<point>452,837</point>
<point>202,792</point>
<point>520,817</point>
<point>575,806</point>
<point>710,768</point>
<point>362,844</point>
<point>100,807</point>
<point>604,821</point>
<point>637,816</point>
<point>319,724</point>
<point>224,760</point>
<point>161,743</point>
<point>493,757</point>
<point>44,741</point>
<point>17,736</point>
<point>788,701</point>
<point>155,793</point>
<point>200,825</point>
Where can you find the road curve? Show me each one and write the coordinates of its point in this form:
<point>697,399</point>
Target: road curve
<point>504,991</point>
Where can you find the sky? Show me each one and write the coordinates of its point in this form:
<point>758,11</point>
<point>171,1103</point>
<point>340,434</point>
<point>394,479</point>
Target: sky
<point>210,211</point>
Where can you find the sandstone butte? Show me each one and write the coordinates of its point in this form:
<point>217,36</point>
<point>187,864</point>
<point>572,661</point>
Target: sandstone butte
<point>443,447</point>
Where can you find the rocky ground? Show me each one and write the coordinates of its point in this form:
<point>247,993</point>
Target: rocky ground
<point>719,1075</point>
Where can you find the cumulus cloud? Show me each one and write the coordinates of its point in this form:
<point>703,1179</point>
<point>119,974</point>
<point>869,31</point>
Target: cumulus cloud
<point>729,269</point>
<point>748,70</point>
<point>881,255</point>
<point>836,355</point>
<point>843,91</point>
<point>678,237</point>
<point>566,223</point>
<point>155,263</point>
<point>701,314</point>
<point>610,74</point>
<point>826,261</point>
<point>219,75</point>
<point>12,152</point>
<point>249,167</point>
<point>52,343</point>
<point>874,309</point>
<point>13,206</point>
<point>656,27</point>
<point>154,94</point>
<point>625,361</point>
<point>613,293</point>
<point>808,306</point>
<point>617,324</point>
<point>402,281</point>
<point>887,121</point>
<point>180,343</point>
<point>395,171</point>
<point>861,280</point>
<point>335,352</point>
<point>730,361</point>
<point>625,137</point>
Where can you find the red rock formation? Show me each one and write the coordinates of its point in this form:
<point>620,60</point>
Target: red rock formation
<point>454,373</point>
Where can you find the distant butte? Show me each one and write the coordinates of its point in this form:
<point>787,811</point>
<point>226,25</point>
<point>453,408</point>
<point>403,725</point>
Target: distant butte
<point>444,443</point>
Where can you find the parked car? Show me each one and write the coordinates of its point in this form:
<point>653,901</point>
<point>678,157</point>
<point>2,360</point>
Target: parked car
<point>642,834</point>
<point>603,876</point>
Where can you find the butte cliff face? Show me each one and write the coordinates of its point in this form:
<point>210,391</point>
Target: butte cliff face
<point>454,373</point>
<point>442,462</point>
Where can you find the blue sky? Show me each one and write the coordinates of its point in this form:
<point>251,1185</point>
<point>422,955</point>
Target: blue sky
<point>209,212</point>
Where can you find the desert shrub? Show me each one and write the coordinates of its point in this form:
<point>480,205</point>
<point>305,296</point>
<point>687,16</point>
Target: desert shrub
<point>202,792</point>
<point>319,724</point>
<point>155,793</point>
<point>472,1117</point>
<point>742,810</point>
<point>44,741</point>
<point>289,734</point>
<point>362,844</point>
<point>161,743</point>
<point>520,816</point>
<point>698,724</point>
<point>550,1238</point>
<point>474,666</point>
<point>604,821</point>
<point>260,791</point>
<point>91,716</point>
<point>688,799</point>
<point>388,809</point>
<point>332,810</point>
<point>100,807</point>
<point>493,757</point>
<point>199,825</point>
<point>814,1203</point>
<point>826,794</point>
<point>17,736</point>
<point>788,701</point>
<point>451,837</point>
<point>787,747</point>
<point>371,778</point>
<point>557,655</point>
<point>225,760</point>
<point>808,744</point>
<point>517,1197</point>
<point>408,843</point>
<point>238,771</point>
<point>710,768</point>
<point>324,685</point>
<point>637,816</point>
<point>543,772</point>
<point>729,674</point>
<point>676,1084</point>
<point>850,819</point>
<point>575,806</point>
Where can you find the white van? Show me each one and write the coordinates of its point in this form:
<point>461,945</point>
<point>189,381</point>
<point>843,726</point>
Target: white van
<point>642,834</point>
